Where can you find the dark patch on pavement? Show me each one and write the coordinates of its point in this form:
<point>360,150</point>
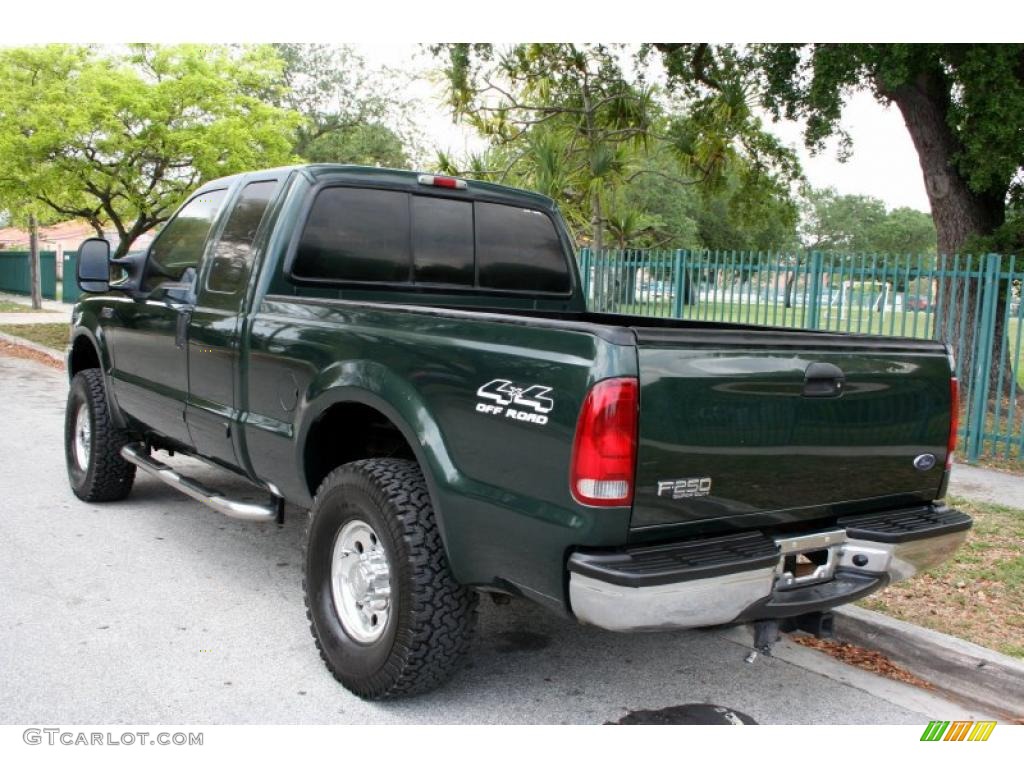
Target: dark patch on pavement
<point>519,640</point>
<point>686,714</point>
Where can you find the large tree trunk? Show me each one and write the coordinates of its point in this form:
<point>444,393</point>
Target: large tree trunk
<point>959,212</point>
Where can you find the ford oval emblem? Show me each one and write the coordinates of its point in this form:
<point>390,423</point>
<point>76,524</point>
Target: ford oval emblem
<point>924,462</point>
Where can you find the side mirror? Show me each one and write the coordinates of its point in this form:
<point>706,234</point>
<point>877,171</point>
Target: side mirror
<point>94,265</point>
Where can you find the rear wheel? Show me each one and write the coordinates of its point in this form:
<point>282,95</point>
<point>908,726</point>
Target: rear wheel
<point>385,611</point>
<point>92,444</point>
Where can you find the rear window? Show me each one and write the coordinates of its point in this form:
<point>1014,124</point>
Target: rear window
<point>375,236</point>
<point>442,240</point>
<point>517,249</point>
<point>356,235</point>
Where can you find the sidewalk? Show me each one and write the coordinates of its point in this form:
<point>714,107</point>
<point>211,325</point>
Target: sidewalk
<point>56,311</point>
<point>988,485</point>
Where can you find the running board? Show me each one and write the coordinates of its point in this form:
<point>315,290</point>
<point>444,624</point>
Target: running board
<point>239,510</point>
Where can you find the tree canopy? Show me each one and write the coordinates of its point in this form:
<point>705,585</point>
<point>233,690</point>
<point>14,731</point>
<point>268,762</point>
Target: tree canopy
<point>581,124</point>
<point>960,102</point>
<point>351,112</point>
<point>120,138</point>
<point>861,224</point>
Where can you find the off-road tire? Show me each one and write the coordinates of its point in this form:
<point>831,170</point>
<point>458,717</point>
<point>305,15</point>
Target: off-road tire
<point>432,617</point>
<point>107,477</point>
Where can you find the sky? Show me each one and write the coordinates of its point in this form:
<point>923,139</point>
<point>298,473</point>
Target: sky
<point>884,163</point>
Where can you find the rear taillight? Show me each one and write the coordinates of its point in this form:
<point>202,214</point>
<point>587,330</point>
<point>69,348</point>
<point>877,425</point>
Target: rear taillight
<point>954,420</point>
<point>604,452</point>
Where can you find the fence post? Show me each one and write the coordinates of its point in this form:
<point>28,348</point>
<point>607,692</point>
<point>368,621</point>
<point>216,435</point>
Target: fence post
<point>814,274</point>
<point>984,343</point>
<point>679,281</point>
<point>585,270</point>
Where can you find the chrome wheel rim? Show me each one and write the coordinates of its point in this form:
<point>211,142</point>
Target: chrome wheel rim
<point>83,436</point>
<point>361,582</point>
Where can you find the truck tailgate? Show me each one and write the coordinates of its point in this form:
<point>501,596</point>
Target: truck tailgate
<point>740,421</point>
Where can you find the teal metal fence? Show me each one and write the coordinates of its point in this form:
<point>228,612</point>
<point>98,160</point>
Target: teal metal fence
<point>69,283</point>
<point>915,296</point>
<point>15,274</point>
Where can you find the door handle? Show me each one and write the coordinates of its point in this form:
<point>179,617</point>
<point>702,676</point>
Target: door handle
<point>823,380</point>
<point>181,329</point>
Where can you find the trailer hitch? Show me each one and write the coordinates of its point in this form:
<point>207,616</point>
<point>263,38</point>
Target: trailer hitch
<point>766,634</point>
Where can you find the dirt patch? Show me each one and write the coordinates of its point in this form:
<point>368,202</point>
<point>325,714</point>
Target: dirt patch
<point>854,655</point>
<point>16,350</point>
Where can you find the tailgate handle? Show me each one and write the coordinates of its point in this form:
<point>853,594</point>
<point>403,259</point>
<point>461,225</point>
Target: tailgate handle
<point>823,380</point>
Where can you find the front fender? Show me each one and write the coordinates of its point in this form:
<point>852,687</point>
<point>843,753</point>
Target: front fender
<point>86,329</point>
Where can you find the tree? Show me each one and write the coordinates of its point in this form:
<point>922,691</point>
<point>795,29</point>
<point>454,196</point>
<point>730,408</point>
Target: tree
<point>834,222</point>
<point>580,124</point>
<point>657,192</point>
<point>351,113</point>
<point>905,230</point>
<point>861,224</point>
<point>32,215</point>
<point>366,144</point>
<point>955,100</point>
<point>121,138</point>
<point>571,101</point>
<point>959,103</point>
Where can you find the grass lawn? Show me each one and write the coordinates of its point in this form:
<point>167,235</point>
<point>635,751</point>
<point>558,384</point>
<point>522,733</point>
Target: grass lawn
<point>979,595</point>
<point>14,306</point>
<point>53,335</point>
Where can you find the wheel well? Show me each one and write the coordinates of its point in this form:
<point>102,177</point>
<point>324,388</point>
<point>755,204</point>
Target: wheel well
<point>83,356</point>
<point>347,432</point>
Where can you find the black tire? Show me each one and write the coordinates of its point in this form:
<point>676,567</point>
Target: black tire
<point>105,476</point>
<point>432,616</point>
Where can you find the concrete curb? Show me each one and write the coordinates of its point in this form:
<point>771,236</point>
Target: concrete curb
<point>975,675</point>
<point>20,342</point>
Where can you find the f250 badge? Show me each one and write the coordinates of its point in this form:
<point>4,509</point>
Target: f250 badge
<point>531,402</point>
<point>685,488</point>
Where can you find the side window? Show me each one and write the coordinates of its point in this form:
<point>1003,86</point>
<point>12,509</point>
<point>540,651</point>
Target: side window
<point>442,240</point>
<point>232,256</point>
<point>356,235</point>
<point>518,249</point>
<point>175,254</point>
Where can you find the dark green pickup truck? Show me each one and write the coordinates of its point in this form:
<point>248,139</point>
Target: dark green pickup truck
<point>411,358</point>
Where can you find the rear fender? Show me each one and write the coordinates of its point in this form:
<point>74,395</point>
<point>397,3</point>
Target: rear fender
<point>374,385</point>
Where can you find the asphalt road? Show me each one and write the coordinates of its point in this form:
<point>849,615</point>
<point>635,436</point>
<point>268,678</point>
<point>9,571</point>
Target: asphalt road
<point>157,610</point>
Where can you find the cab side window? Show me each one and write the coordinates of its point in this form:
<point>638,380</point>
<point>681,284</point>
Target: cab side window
<point>175,254</point>
<point>233,254</point>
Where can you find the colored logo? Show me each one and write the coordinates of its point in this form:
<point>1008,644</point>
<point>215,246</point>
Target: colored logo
<point>958,730</point>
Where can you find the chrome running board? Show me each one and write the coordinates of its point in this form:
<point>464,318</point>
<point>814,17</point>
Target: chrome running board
<point>239,510</point>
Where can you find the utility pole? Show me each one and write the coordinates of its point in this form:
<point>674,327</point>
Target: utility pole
<point>33,258</point>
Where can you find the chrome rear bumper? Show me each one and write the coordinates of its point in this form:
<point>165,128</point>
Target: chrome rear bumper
<point>835,568</point>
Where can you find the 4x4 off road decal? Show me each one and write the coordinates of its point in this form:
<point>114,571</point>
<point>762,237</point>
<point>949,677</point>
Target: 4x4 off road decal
<point>531,403</point>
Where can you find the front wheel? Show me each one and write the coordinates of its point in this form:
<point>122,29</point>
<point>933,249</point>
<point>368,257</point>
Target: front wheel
<point>92,444</point>
<point>386,613</point>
